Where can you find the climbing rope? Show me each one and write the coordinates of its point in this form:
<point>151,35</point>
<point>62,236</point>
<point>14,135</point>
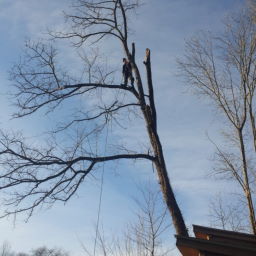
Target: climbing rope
<point>100,197</point>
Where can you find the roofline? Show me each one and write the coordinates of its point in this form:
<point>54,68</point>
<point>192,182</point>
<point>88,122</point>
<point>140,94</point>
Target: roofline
<point>224,233</point>
<point>233,249</point>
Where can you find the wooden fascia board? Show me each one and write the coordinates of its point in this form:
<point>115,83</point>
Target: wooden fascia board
<point>200,230</point>
<point>203,245</point>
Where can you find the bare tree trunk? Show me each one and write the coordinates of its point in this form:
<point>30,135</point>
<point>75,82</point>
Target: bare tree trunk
<point>162,173</point>
<point>167,191</point>
<point>253,127</point>
<point>151,120</point>
<point>247,189</point>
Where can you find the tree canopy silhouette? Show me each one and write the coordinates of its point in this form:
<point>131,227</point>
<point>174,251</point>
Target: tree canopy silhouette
<point>50,173</point>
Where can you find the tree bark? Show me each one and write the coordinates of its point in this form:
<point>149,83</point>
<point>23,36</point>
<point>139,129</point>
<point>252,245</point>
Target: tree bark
<point>247,189</point>
<point>252,118</point>
<point>166,188</point>
<point>150,117</point>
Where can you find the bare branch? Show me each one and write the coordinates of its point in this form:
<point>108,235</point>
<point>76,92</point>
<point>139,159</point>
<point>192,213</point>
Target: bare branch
<point>61,177</point>
<point>223,69</point>
<point>98,19</point>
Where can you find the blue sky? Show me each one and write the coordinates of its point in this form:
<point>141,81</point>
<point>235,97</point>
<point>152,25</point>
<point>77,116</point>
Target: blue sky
<point>183,120</point>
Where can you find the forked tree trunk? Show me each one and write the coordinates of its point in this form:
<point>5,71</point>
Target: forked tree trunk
<point>149,113</point>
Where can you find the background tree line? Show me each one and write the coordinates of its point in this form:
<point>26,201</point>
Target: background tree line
<point>5,250</point>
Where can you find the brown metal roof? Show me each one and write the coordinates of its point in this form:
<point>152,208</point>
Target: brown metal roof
<point>217,242</point>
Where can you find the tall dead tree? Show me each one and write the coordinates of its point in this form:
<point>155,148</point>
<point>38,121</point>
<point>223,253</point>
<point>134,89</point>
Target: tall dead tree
<point>223,69</point>
<point>45,175</point>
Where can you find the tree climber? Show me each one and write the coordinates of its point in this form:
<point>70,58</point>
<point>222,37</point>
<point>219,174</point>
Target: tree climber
<point>127,72</point>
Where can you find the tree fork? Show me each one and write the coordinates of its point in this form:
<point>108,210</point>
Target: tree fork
<point>150,118</point>
<point>168,194</point>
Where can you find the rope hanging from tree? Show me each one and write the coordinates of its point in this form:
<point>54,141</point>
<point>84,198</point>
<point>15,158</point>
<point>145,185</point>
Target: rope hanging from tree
<point>100,197</point>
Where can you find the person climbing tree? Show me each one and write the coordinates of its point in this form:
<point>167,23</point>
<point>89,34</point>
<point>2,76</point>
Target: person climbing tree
<point>41,175</point>
<point>127,72</point>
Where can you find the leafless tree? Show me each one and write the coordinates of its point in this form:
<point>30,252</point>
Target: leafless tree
<point>40,251</point>
<point>22,254</point>
<point>228,214</point>
<point>44,251</point>
<point>5,249</point>
<point>144,235</point>
<point>252,6</point>
<point>223,69</point>
<point>49,173</point>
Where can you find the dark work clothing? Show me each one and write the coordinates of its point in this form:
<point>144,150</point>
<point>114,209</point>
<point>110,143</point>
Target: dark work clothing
<point>127,68</point>
<point>127,73</point>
